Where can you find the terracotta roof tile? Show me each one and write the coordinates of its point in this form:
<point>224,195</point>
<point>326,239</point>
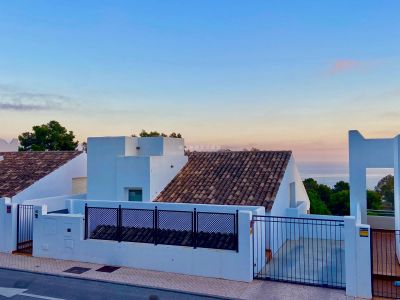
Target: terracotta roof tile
<point>19,170</point>
<point>234,178</point>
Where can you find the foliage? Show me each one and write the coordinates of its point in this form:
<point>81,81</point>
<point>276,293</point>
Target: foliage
<point>341,186</point>
<point>385,188</point>
<point>339,203</point>
<point>336,201</point>
<point>144,133</point>
<point>374,200</point>
<point>316,205</point>
<point>51,136</point>
<point>175,135</point>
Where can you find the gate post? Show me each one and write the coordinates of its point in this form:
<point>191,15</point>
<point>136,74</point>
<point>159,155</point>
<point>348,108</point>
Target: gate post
<point>357,258</point>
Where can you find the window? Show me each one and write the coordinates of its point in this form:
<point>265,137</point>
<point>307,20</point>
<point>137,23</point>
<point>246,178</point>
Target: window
<point>135,195</point>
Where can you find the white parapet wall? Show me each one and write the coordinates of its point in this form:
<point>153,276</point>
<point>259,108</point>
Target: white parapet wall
<point>61,236</point>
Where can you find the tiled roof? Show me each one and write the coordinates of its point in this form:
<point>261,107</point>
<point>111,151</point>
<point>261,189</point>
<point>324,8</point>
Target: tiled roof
<point>229,178</point>
<point>19,170</point>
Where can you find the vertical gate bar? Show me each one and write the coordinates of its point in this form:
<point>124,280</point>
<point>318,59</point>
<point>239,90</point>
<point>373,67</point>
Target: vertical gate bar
<point>304,222</point>
<point>194,228</point>
<point>381,257</point>
<point>282,241</point>
<point>119,224</point>
<point>237,230</point>
<point>341,262</point>
<point>256,247</point>
<point>388,252</point>
<point>286,244</point>
<point>253,221</point>
<point>372,260</point>
<point>331,282</point>
<point>273,246</point>
<point>267,235</point>
<point>336,254</point>
<point>17,227</point>
<point>289,223</point>
<point>326,252</point>
<point>295,250</point>
<point>391,255</point>
<point>155,225</point>
<point>394,254</point>
<point>391,265</point>
<point>86,221</point>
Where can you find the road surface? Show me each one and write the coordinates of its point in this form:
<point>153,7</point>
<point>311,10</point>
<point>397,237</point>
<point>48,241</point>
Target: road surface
<point>24,285</point>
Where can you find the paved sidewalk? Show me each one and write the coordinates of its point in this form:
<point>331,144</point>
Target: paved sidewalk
<point>171,281</point>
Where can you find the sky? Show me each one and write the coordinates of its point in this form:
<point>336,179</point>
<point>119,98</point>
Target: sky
<point>276,75</point>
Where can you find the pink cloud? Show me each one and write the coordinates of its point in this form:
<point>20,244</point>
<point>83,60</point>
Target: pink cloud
<point>344,65</point>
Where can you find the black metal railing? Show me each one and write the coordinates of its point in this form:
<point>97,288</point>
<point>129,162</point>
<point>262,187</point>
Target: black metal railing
<point>385,267</point>
<point>25,229</point>
<point>167,227</point>
<point>299,250</point>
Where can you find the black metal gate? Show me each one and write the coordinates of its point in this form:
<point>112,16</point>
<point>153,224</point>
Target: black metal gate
<point>25,229</point>
<point>385,265</point>
<point>299,250</point>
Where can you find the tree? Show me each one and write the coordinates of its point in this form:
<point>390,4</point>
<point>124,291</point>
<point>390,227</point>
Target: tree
<point>144,133</point>
<point>310,184</point>
<point>339,203</point>
<point>341,186</point>
<point>374,200</point>
<point>316,205</point>
<point>314,192</point>
<point>175,135</point>
<point>51,136</point>
<point>385,188</point>
<point>324,193</point>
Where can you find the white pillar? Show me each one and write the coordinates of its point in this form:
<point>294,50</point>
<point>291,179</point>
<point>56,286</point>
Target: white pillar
<point>357,259</point>
<point>357,173</point>
<point>8,225</point>
<point>397,191</point>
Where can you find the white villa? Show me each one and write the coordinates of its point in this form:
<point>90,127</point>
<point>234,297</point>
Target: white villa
<point>156,169</point>
<point>238,215</point>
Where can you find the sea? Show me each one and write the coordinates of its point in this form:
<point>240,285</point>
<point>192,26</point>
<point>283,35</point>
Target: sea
<point>331,172</point>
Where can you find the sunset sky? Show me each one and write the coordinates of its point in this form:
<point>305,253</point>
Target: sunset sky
<point>270,74</point>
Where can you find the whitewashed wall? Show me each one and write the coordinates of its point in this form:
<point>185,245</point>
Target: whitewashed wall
<point>282,200</point>
<point>56,183</point>
<point>55,203</point>
<point>116,164</point>
<point>53,239</point>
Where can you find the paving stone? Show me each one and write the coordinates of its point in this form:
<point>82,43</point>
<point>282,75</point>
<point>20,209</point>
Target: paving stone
<point>172,281</point>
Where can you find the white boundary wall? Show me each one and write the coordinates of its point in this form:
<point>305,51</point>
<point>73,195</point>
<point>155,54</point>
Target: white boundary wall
<point>62,237</point>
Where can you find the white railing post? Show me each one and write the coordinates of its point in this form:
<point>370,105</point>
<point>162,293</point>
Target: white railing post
<point>357,258</point>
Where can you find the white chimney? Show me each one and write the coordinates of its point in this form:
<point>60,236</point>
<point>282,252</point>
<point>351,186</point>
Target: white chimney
<point>1,158</point>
